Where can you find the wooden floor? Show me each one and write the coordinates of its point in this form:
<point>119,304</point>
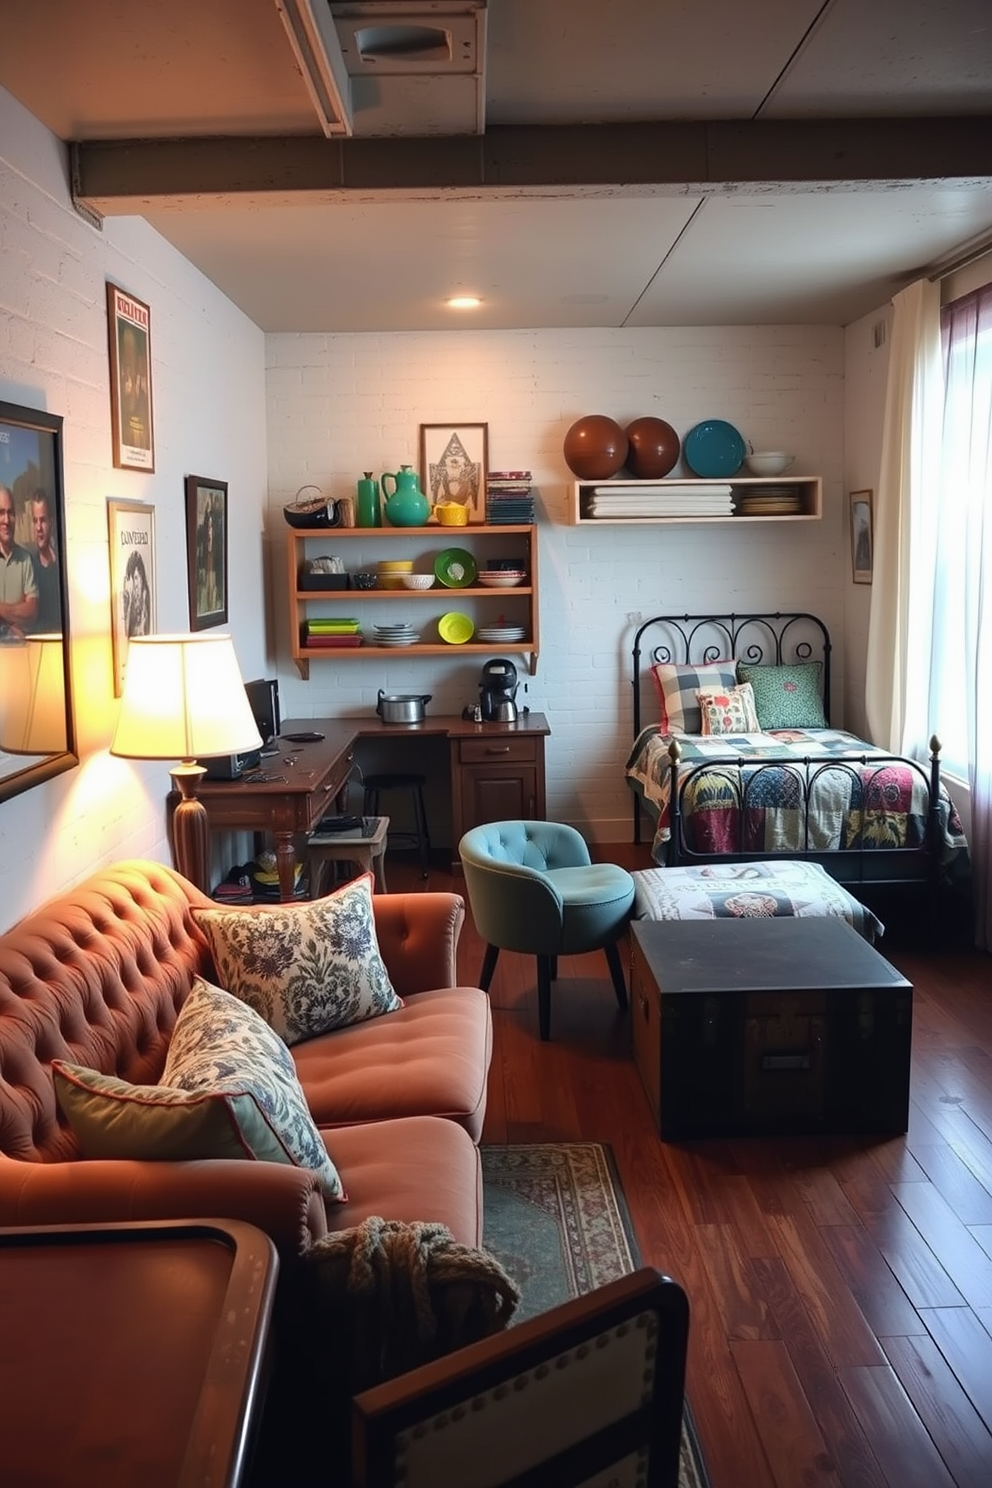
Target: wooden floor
<point>840,1288</point>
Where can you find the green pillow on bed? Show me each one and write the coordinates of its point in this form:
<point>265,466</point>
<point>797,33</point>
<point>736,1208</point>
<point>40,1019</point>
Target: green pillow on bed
<point>786,696</point>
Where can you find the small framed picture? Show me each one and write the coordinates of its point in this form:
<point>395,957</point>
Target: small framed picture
<point>130,333</point>
<point>454,464</point>
<point>132,578</point>
<point>862,537</point>
<point>206,551</point>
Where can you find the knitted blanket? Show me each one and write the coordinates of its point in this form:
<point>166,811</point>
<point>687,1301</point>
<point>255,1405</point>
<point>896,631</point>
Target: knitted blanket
<point>392,1296</point>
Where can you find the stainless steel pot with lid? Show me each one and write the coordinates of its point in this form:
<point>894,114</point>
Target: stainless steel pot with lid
<point>402,707</point>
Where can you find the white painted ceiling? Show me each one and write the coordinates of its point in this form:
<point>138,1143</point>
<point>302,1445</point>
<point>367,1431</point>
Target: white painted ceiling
<point>573,207</point>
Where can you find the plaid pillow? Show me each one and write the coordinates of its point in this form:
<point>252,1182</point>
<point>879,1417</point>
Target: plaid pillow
<point>678,687</point>
<point>729,710</point>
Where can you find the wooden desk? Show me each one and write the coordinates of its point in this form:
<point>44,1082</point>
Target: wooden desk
<point>135,1352</point>
<point>497,773</point>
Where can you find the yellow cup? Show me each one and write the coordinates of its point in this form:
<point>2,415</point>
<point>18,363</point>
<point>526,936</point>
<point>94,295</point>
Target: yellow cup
<point>451,514</point>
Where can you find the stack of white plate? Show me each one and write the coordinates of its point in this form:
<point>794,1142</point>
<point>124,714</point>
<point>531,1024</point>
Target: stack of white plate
<point>399,634</point>
<point>499,633</point>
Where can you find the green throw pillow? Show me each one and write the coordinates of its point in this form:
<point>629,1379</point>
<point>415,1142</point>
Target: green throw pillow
<point>305,968</point>
<point>229,1090</point>
<point>786,696</point>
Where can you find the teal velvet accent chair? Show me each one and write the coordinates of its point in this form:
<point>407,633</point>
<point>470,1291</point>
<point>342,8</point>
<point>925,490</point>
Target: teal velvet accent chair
<point>533,888</point>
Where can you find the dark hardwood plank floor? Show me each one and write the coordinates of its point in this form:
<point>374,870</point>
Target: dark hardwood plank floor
<point>841,1289</point>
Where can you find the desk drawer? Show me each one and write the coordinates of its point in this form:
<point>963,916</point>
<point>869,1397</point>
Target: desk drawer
<point>501,747</point>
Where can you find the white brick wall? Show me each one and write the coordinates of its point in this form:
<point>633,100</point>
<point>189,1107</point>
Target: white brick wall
<point>339,405</point>
<point>208,391</point>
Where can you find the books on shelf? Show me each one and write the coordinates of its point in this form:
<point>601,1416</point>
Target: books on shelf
<point>666,499</point>
<point>509,497</point>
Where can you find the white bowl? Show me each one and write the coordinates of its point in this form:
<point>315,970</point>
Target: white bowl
<point>415,581</point>
<point>768,462</point>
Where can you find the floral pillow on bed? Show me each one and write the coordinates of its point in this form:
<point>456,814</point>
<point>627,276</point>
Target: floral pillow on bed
<point>729,710</point>
<point>678,690</point>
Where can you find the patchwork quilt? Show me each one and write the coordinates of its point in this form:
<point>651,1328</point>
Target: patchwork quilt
<point>743,891</point>
<point>791,791</point>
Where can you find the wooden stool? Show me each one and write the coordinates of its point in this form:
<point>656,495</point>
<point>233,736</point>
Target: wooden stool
<point>367,853</point>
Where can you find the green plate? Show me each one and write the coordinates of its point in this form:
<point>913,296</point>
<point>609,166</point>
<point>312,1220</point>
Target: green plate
<point>454,628</point>
<point>456,568</point>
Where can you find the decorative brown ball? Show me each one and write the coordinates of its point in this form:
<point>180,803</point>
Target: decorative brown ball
<point>595,447</point>
<point>654,448</point>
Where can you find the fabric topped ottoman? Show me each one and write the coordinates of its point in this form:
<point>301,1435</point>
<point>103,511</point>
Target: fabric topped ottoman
<point>749,891</point>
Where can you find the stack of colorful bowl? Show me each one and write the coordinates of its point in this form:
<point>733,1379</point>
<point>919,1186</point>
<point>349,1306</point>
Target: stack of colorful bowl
<point>391,571</point>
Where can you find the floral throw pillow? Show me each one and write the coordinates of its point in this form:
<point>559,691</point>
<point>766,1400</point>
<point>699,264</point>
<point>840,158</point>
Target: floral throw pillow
<point>729,710</point>
<point>786,696</point>
<point>678,688</point>
<point>229,1090</point>
<point>219,1045</point>
<point>305,968</point>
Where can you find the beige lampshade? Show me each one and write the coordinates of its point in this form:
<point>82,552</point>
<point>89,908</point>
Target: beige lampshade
<point>184,698</point>
<point>32,706</point>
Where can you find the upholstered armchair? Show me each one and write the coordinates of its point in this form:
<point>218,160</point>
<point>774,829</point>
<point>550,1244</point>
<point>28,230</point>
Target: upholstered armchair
<point>534,888</point>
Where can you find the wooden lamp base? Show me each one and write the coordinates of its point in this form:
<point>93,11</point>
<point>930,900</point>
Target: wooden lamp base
<point>191,826</point>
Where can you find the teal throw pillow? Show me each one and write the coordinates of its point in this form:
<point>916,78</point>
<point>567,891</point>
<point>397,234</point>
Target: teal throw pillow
<point>786,696</point>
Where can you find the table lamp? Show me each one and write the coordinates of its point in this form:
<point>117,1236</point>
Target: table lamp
<point>184,698</point>
<point>32,705</point>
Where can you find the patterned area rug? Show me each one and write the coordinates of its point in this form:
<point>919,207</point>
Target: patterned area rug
<point>556,1218</point>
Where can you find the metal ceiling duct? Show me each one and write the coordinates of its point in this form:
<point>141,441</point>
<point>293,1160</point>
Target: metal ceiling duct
<point>379,67</point>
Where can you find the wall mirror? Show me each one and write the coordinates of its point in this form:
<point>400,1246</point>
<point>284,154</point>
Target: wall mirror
<point>37,737</point>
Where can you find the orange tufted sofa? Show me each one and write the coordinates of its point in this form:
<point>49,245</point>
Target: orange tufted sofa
<point>97,976</point>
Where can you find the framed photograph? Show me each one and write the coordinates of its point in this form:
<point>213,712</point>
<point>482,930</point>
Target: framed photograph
<point>454,463</point>
<point>206,551</point>
<point>36,719</point>
<point>862,537</point>
<point>130,332</point>
<point>132,578</point>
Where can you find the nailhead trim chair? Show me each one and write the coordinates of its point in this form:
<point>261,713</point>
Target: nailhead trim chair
<point>533,888</point>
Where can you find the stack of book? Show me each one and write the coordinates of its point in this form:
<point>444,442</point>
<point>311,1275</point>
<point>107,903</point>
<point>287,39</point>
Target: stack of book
<point>509,496</point>
<point>332,632</point>
<point>666,499</point>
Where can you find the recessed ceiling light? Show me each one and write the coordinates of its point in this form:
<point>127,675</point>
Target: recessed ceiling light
<point>464,302</point>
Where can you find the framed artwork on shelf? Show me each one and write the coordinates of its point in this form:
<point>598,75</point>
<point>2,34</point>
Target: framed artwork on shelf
<point>130,335</point>
<point>132,578</point>
<point>206,551</point>
<point>454,463</point>
<point>37,736</point>
<point>862,537</point>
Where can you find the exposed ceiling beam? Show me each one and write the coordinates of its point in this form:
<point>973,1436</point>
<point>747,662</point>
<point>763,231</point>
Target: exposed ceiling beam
<point>114,177</point>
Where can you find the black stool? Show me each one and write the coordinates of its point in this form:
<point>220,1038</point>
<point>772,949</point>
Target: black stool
<point>415,785</point>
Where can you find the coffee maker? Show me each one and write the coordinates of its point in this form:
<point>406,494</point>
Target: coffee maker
<point>498,691</point>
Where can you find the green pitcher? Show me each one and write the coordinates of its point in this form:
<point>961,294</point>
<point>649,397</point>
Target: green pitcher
<point>406,504</point>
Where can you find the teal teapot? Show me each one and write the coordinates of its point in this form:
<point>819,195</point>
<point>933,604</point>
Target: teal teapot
<point>406,504</point>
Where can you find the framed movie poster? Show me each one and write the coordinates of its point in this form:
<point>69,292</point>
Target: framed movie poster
<point>130,332</point>
<point>453,464</point>
<point>132,578</point>
<point>206,551</point>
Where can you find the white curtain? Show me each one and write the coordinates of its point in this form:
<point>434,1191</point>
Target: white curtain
<point>898,639</point>
<point>960,684</point>
<point>929,665</point>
